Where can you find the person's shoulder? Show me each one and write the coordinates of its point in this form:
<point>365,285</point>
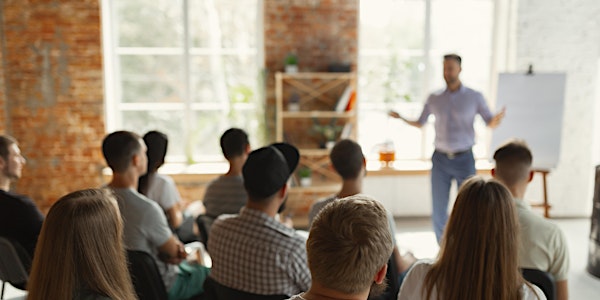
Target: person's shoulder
<point>532,292</point>
<point>530,219</point>
<point>16,197</point>
<point>470,92</point>
<point>163,178</point>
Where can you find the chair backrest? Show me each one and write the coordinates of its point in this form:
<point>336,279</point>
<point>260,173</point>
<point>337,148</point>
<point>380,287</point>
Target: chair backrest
<point>543,280</point>
<point>204,222</point>
<point>13,262</point>
<point>216,291</point>
<point>145,276</point>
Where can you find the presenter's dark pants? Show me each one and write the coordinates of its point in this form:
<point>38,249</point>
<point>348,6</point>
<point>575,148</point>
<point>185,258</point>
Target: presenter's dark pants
<point>445,168</point>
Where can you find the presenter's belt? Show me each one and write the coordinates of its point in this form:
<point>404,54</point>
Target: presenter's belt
<point>452,155</point>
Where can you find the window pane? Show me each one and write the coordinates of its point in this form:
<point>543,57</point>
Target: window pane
<point>215,78</point>
<point>141,23</point>
<point>223,23</point>
<point>392,24</point>
<point>151,78</point>
<point>464,27</point>
<point>167,122</point>
<point>208,126</point>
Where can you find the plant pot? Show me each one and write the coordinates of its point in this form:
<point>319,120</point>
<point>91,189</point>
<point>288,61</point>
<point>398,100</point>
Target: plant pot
<point>329,145</point>
<point>291,68</point>
<point>305,181</point>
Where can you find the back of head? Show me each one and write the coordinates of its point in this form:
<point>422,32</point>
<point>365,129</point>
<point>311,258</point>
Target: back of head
<point>5,142</point>
<point>234,142</point>
<point>513,162</point>
<point>157,143</point>
<point>80,249</point>
<point>347,159</point>
<point>268,169</point>
<point>483,224</point>
<point>118,148</point>
<point>349,242</point>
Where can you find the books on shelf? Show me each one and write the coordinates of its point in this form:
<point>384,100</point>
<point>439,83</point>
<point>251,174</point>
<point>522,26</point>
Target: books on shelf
<point>346,131</point>
<point>344,100</point>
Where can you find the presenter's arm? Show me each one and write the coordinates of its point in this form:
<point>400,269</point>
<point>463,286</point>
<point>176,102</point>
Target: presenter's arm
<point>497,119</point>
<point>396,115</point>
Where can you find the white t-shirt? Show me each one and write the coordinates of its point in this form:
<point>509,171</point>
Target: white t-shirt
<point>162,189</point>
<point>411,288</point>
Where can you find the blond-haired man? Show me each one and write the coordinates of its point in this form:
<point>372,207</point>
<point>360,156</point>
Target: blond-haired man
<point>348,248</point>
<point>543,245</point>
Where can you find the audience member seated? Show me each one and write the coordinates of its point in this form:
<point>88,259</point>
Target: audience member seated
<point>349,162</point>
<point>226,194</point>
<point>253,252</point>
<point>162,189</point>
<point>80,253</point>
<point>543,246</point>
<point>20,219</point>
<point>145,224</point>
<point>478,257</point>
<point>348,248</point>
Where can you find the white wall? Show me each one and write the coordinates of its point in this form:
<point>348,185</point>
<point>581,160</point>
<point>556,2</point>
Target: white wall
<point>564,36</point>
<point>554,36</point>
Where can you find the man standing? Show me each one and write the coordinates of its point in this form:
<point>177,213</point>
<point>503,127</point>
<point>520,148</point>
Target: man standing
<point>543,245</point>
<point>20,219</point>
<point>348,248</point>
<point>145,226</point>
<point>454,109</point>
<point>253,252</point>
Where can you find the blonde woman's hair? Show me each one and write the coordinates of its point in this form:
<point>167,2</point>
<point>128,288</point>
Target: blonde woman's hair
<point>349,242</point>
<point>80,249</point>
<point>478,257</point>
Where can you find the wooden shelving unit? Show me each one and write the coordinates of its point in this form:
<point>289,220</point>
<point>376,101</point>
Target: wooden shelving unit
<point>317,95</point>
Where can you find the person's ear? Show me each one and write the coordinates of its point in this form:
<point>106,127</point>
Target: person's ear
<point>380,275</point>
<point>283,191</point>
<point>135,160</point>
<point>530,178</point>
<point>493,172</point>
<point>248,149</point>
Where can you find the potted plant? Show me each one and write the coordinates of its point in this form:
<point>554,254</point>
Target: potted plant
<point>291,63</point>
<point>304,174</point>
<point>328,132</point>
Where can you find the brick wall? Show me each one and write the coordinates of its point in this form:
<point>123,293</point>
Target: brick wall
<point>319,32</point>
<point>53,93</point>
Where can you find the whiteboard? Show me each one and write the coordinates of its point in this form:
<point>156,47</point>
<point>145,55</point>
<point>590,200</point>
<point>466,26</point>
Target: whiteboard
<point>534,112</point>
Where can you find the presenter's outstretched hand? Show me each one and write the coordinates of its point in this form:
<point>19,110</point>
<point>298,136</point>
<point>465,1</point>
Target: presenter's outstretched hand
<point>394,114</point>
<point>497,119</point>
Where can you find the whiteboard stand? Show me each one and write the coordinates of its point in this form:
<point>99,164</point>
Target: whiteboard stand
<point>544,204</point>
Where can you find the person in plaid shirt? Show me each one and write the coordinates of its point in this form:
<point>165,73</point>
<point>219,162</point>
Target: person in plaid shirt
<point>252,251</point>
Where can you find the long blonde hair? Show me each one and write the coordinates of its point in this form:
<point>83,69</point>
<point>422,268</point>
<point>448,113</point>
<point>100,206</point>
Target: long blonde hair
<point>478,257</point>
<point>80,249</point>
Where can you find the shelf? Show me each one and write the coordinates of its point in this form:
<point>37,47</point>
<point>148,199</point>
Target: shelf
<point>317,75</point>
<point>313,152</point>
<point>317,114</point>
<point>323,188</point>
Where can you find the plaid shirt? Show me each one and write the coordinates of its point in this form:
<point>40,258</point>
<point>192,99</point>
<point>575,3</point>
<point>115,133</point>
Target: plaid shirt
<point>252,252</point>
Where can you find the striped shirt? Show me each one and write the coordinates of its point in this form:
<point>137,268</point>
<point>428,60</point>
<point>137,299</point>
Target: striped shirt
<point>225,195</point>
<point>254,253</point>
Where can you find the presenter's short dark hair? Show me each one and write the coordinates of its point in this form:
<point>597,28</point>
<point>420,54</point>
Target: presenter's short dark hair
<point>5,142</point>
<point>453,56</point>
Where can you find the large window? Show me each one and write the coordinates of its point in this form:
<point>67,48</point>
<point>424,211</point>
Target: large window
<point>401,48</point>
<point>189,68</point>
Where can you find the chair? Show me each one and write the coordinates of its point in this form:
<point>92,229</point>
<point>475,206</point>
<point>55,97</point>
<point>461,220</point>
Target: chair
<point>204,222</point>
<point>13,264</point>
<point>145,276</point>
<point>216,291</point>
<point>543,280</point>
